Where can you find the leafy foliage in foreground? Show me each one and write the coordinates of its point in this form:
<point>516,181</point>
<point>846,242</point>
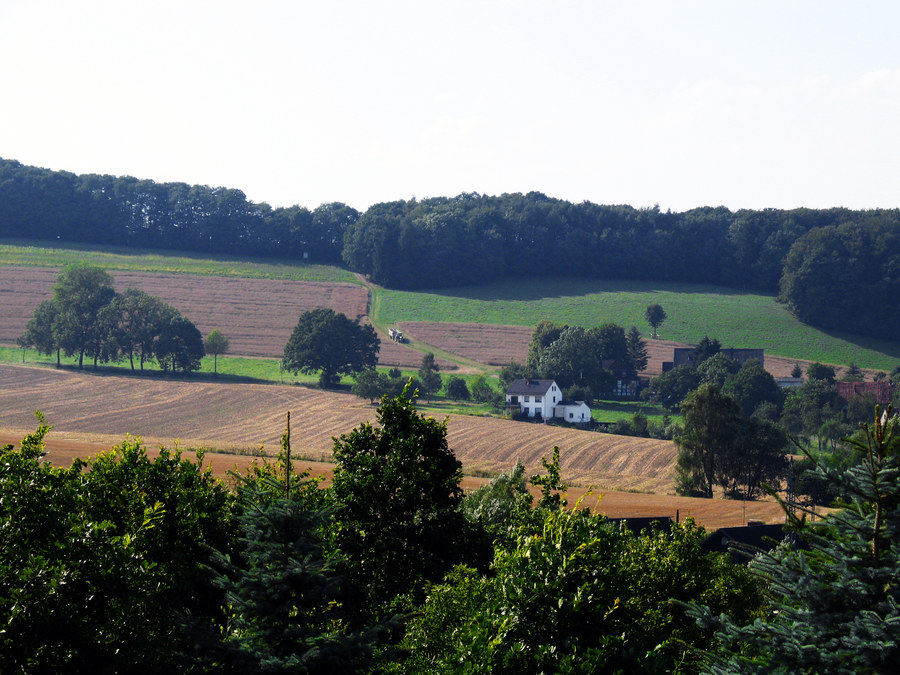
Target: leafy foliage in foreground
<point>571,593</point>
<point>398,488</point>
<point>98,561</point>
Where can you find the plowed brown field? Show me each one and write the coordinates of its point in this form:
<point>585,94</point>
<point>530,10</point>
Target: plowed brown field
<point>92,413</point>
<point>257,315</point>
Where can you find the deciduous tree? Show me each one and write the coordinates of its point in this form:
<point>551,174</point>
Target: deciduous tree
<point>399,522</point>
<point>80,292</point>
<point>655,316</point>
<point>371,384</point>
<point>40,332</point>
<point>216,343</point>
<point>331,343</point>
<point>482,391</point>
<point>711,422</point>
<point>135,321</point>
<point>179,345</point>
<point>457,389</point>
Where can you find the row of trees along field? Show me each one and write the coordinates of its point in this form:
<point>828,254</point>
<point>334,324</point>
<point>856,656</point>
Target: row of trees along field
<point>832,267</point>
<point>87,318</point>
<point>123,563</point>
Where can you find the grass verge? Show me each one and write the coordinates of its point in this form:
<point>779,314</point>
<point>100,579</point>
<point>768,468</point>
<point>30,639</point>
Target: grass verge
<point>42,254</point>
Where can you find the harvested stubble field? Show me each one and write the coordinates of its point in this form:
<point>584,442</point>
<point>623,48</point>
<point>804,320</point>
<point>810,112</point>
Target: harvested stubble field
<point>92,413</point>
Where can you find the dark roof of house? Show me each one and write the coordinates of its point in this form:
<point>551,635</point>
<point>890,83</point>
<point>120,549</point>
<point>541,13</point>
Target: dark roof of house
<point>638,525</point>
<point>564,403</point>
<point>530,386</point>
<point>762,537</point>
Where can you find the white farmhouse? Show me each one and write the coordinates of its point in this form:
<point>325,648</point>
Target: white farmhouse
<point>533,397</point>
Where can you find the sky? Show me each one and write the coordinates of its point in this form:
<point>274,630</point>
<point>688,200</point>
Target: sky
<point>680,104</point>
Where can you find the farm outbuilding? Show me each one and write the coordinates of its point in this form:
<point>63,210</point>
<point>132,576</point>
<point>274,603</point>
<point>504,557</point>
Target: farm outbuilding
<point>573,411</point>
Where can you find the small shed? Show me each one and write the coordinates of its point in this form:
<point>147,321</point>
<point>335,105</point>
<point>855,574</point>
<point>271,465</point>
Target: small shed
<point>572,411</point>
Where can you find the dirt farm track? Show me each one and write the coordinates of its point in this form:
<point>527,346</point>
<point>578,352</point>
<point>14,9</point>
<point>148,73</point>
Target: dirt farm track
<point>91,413</point>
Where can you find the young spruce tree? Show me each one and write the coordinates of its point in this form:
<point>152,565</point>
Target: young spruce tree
<point>834,608</point>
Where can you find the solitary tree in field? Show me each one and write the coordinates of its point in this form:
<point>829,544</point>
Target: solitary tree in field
<point>331,343</point>
<point>655,316</point>
<point>216,343</point>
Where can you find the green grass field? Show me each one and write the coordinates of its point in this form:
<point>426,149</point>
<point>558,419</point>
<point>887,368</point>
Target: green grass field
<point>735,319</point>
<point>14,252</point>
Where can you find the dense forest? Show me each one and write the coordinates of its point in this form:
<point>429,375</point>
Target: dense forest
<point>832,267</point>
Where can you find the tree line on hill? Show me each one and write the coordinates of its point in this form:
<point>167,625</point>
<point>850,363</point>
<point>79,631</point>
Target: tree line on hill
<point>832,267</point>
<point>87,318</point>
<point>127,563</point>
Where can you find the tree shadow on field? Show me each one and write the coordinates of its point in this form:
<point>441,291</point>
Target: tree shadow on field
<point>889,348</point>
<point>538,288</point>
<point>158,375</point>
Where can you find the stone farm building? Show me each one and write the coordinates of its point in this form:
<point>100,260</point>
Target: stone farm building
<point>685,355</point>
<point>882,391</point>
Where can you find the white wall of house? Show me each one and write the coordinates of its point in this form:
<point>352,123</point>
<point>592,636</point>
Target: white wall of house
<point>543,403</point>
<point>577,411</point>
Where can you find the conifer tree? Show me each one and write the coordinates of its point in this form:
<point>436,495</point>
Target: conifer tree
<point>283,590</point>
<point>834,607</point>
<point>637,349</point>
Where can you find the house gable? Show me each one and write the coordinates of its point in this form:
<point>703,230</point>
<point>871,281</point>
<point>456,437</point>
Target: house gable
<point>532,397</point>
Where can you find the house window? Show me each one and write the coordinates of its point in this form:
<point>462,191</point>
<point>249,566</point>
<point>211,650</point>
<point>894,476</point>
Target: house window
<point>537,399</point>
<point>571,415</point>
<point>553,388</point>
<point>527,399</point>
<point>554,399</point>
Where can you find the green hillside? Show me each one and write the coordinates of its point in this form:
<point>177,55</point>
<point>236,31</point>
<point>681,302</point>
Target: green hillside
<point>736,319</point>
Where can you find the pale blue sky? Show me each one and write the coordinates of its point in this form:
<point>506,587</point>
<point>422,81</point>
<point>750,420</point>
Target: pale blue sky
<point>682,104</point>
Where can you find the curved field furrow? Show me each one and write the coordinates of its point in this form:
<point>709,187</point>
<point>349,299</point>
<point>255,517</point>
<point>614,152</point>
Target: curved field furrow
<point>586,457</point>
<point>243,416</point>
<point>206,414</point>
